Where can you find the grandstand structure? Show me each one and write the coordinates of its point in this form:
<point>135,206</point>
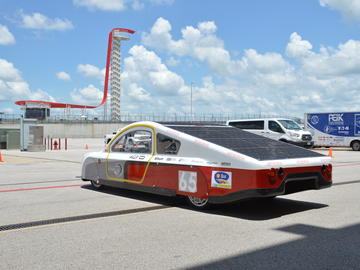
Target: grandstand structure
<point>41,109</point>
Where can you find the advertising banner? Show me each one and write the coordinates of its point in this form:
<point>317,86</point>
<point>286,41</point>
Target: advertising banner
<point>336,124</point>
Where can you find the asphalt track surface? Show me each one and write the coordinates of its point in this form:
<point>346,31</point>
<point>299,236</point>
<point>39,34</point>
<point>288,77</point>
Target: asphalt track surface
<point>50,219</point>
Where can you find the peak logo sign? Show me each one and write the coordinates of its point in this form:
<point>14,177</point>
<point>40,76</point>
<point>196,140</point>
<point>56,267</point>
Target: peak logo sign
<point>314,119</point>
<point>221,179</point>
<point>336,119</point>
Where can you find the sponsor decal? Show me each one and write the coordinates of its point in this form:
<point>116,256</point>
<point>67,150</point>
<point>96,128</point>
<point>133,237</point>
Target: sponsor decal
<point>221,179</point>
<point>158,158</point>
<point>344,130</point>
<point>134,156</point>
<point>188,181</point>
<point>336,119</point>
<point>357,125</point>
<point>141,157</point>
<point>183,160</point>
<point>329,129</point>
<point>225,163</point>
<point>314,119</point>
<point>170,159</point>
<point>196,161</point>
<point>212,163</point>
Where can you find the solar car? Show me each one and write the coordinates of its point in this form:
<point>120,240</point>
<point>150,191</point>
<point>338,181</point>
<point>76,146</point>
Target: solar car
<point>207,164</point>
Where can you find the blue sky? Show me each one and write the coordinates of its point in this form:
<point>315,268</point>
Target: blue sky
<point>271,57</point>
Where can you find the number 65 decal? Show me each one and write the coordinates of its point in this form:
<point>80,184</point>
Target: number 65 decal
<point>187,181</point>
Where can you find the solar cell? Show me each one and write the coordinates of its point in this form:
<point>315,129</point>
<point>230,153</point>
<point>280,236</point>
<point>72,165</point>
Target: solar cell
<point>252,145</point>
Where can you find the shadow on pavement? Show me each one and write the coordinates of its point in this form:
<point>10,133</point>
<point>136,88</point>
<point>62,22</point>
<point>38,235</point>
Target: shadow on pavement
<point>264,209</point>
<point>256,209</point>
<point>319,248</point>
<point>137,195</point>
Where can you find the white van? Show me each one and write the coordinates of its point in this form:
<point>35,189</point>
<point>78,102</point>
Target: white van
<point>285,130</point>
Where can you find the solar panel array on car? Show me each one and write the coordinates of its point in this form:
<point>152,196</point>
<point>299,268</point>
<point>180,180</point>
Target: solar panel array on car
<point>252,145</point>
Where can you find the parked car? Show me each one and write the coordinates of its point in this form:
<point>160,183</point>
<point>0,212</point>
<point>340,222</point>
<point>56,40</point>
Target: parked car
<point>285,130</point>
<point>205,164</point>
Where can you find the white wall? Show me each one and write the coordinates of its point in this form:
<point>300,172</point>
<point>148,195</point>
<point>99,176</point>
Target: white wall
<point>75,130</point>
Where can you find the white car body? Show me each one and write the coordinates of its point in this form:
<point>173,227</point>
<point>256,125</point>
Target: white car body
<point>215,164</point>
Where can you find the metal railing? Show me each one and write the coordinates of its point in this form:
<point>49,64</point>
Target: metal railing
<point>156,117</point>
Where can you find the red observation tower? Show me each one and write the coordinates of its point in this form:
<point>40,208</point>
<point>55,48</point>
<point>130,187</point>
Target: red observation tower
<point>41,109</point>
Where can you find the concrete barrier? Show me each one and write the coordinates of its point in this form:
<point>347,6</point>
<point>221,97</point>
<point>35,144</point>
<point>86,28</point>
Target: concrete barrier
<point>75,130</point>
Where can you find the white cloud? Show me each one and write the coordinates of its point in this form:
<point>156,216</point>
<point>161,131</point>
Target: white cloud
<point>118,5</point>
<point>144,65</point>
<point>167,91</point>
<point>109,5</point>
<point>6,37</point>
<point>13,87</point>
<point>138,93</point>
<point>8,72</point>
<point>262,82</point>
<point>172,62</point>
<point>63,76</point>
<point>202,44</point>
<point>41,22</point>
<point>87,95</point>
<point>350,9</point>
<point>298,47</point>
<point>342,61</point>
<point>207,27</point>
<point>91,71</point>
<point>137,5</point>
<point>252,83</point>
<point>264,63</point>
<point>162,2</point>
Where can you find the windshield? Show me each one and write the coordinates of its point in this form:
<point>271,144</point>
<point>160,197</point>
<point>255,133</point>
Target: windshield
<point>290,124</point>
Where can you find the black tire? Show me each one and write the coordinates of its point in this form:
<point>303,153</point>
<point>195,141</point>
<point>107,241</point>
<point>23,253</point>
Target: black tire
<point>198,203</point>
<point>96,185</point>
<point>355,145</point>
<point>269,198</point>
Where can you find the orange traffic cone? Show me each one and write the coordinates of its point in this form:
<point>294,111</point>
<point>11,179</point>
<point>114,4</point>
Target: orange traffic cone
<point>1,159</point>
<point>86,147</point>
<point>330,153</point>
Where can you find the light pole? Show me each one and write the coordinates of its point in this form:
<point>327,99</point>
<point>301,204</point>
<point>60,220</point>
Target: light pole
<point>191,118</point>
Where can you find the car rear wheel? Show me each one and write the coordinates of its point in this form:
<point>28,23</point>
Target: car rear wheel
<point>355,146</point>
<point>96,184</point>
<point>198,203</point>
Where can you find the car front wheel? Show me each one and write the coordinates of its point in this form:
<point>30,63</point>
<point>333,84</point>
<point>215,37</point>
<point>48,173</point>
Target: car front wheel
<point>198,203</point>
<point>96,184</point>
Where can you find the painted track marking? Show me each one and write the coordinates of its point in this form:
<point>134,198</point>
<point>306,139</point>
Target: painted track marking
<point>39,182</point>
<point>39,188</point>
